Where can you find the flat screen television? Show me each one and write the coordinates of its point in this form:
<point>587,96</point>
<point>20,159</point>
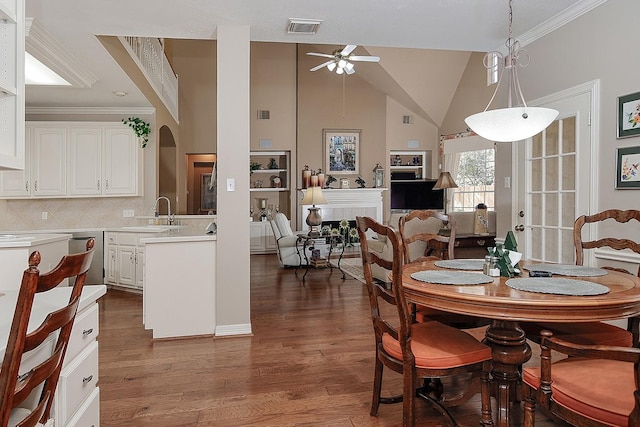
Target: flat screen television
<point>416,194</point>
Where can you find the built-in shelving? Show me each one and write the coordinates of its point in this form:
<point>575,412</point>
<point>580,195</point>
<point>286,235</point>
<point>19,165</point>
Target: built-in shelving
<point>409,161</point>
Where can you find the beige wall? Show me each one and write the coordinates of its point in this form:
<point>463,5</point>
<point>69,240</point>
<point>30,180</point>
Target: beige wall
<point>597,45</point>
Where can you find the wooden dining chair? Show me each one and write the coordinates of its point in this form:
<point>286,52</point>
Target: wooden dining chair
<point>595,386</point>
<point>26,398</point>
<point>415,350</point>
<point>596,332</point>
<point>418,229</point>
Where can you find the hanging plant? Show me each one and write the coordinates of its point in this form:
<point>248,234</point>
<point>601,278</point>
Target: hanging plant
<point>141,128</point>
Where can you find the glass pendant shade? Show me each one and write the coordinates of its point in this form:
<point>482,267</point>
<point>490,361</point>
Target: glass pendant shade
<point>511,124</point>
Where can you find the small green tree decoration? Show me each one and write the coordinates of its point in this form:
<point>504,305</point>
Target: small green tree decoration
<point>141,128</point>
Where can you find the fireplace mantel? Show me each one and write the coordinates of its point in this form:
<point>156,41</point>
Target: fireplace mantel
<point>347,203</point>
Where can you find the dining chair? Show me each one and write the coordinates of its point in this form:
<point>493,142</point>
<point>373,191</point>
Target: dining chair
<point>596,332</point>
<point>595,386</point>
<point>417,230</point>
<point>26,397</point>
<point>415,350</point>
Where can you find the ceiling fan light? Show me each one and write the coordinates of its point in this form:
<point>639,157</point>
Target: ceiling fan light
<point>339,70</point>
<point>349,67</point>
<point>342,63</point>
<point>511,124</point>
<point>331,66</point>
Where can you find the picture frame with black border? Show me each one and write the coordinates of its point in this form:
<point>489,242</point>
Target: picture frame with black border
<point>628,117</point>
<point>628,168</point>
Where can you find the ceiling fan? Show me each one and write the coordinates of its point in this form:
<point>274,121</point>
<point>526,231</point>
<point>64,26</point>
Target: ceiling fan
<point>341,60</point>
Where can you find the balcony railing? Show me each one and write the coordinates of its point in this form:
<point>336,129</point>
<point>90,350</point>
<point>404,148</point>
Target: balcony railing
<point>148,53</point>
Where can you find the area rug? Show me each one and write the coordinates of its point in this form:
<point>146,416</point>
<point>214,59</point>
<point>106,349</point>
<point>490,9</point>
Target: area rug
<point>351,266</point>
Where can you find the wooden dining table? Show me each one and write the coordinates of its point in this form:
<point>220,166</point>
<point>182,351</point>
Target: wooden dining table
<point>507,307</point>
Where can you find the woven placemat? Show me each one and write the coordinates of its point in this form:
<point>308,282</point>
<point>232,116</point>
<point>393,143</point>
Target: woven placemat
<point>443,277</point>
<point>461,264</point>
<point>557,285</point>
<point>567,269</point>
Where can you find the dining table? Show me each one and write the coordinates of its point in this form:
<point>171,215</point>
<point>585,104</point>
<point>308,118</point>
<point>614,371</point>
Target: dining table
<point>571,294</point>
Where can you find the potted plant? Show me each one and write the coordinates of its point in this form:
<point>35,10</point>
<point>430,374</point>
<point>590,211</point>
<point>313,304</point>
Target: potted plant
<point>141,128</point>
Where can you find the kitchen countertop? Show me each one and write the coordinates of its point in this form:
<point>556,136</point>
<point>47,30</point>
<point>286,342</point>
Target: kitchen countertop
<point>183,234</point>
<point>29,240</point>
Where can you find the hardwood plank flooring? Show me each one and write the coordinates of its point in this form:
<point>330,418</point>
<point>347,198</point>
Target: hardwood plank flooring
<point>309,362</point>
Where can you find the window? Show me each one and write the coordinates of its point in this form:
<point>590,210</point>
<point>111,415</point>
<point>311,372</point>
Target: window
<point>475,178</point>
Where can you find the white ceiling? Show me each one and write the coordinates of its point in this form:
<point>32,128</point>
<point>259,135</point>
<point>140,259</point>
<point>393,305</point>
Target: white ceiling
<point>461,25</point>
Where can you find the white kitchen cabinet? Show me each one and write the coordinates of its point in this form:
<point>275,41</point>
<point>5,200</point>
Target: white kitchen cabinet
<point>45,170</point>
<point>261,238</point>
<point>75,402</point>
<point>85,161</point>
<point>122,172</point>
<point>73,159</point>
<point>12,40</point>
<point>124,259</point>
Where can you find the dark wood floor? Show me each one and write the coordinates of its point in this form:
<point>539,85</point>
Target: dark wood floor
<point>308,363</point>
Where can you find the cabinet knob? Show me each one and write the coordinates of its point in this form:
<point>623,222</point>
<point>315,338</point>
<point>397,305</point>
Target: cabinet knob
<point>87,379</point>
<point>87,332</point>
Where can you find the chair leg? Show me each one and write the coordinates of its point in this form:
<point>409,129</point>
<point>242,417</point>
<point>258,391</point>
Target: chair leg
<point>377,387</point>
<point>409,398</point>
<point>485,396</point>
<point>529,414</point>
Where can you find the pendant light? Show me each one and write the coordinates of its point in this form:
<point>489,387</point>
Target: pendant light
<point>516,122</point>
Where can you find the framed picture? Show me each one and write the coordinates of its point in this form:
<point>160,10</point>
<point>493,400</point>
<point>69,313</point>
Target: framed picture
<point>208,193</point>
<point>341,151</point>
<point>628,168</point>
<point>629,115</point>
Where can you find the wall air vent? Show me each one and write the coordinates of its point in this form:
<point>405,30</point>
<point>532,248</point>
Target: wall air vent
<point>263,115</point>
<point>407,120</point>
<point>303,26</point>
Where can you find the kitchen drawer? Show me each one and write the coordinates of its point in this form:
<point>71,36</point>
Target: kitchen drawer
<point>111,239</point>
<point>128,239</point>
<point>84,331</point>
<point>88,415</point>
<point>77,380</point>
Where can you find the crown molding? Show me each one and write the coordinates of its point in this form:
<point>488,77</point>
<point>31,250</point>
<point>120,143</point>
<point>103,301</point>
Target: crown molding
<point>557,21</point>
<point>43,46</point>
<point>116,111</point>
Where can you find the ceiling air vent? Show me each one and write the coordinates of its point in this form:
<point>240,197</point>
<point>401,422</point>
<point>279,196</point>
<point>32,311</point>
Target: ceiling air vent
<point>303,26</point>
<point>407,120</point>
<point>263,115</point>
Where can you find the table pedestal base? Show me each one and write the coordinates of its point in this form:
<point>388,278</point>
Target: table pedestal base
<point>509,350</point>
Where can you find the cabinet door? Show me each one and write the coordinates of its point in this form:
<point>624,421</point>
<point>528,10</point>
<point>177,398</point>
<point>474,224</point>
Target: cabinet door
<point>49,161</point>
<point>111,263</point>
<point>85,161</point>
<point>121,162</point>
<point>139,266</point>
<point>15,183</point>
<point>126,265</point>
<point>269,238</point>
<point>256,236</point>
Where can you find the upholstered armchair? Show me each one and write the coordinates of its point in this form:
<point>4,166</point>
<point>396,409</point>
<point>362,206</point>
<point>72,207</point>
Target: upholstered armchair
<point>289,253</point>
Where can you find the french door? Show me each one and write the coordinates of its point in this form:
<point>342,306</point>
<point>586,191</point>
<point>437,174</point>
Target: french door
<point>555,183</point>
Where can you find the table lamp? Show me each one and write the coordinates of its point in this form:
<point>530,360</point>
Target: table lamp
<point>444,182</point>
<point>313,196</point>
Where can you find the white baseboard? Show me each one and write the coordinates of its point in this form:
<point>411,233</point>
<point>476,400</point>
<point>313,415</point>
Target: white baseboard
<point>228,330</point>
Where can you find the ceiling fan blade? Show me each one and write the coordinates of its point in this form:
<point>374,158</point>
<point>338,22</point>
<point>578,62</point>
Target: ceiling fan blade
<point>348,49</point>
<point>317,67</point>
<point>323,55</point>
<point>364,58</point>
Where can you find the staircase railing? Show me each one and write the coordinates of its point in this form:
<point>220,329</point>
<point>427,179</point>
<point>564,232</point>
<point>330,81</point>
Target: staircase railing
<point>148,54</point>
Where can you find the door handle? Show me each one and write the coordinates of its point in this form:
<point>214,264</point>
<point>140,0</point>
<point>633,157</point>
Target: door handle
<point>519,227</point>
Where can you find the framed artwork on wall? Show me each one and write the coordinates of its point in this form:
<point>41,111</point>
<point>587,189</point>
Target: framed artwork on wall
<point>627,169</point>
<point>208,194</point>
<point>341,151</point>
<point>629,115</point>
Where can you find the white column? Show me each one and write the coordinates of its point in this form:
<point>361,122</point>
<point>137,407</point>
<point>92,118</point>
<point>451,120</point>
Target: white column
<point>232,256</point>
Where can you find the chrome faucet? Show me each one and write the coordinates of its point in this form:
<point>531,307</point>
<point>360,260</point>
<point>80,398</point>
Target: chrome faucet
<point>157,214</point>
